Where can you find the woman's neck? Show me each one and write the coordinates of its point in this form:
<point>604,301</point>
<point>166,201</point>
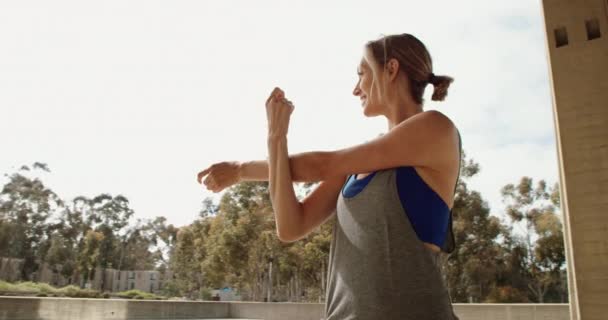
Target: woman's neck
<point>401,113</point>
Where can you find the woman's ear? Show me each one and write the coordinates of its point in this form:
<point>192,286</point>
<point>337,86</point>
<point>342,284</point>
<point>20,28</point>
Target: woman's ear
<point>392,67</point>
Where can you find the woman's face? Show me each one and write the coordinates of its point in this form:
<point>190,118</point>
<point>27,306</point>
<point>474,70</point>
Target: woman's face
<point>363,88</point>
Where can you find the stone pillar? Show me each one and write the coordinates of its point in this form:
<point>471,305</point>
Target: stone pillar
<point>577,46</point>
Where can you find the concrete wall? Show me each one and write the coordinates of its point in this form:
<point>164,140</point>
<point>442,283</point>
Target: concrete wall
<point>580,103</point>
<point>26,308</point>
<point>277,310</point>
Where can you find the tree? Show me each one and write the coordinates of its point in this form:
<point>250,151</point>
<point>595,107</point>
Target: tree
<point>26,205</point>
<point>539,244</point>
<point>60,256</point>
<point>471,269</point>
<point>88,259</point>
<point>163,237</point>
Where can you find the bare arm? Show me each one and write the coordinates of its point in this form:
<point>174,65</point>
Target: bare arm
<point>287,209</point>
<point>304,167</point>
<point>317,207</point>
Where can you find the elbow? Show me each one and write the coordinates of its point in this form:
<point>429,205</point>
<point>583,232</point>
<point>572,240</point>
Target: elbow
<point>289,223</point>
<point>285,237</point>
<point>289,235</point>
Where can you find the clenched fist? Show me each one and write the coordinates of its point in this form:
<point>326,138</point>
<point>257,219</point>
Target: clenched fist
<point>278,112</point>
<point>220,175</point>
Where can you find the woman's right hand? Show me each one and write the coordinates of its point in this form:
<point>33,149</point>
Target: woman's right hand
<point>220,175</point>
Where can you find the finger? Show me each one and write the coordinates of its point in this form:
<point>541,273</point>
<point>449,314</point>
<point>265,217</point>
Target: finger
<point>277,93</point>
<point>270,98</point>
<point>207,180</point>
<point>273,94</point>
<point>202,174</point>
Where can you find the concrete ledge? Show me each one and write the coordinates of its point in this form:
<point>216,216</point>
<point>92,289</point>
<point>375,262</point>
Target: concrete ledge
<point>514,311</point>
<point>277,310</point>
<point>35,308</point>
<point>29,308</point>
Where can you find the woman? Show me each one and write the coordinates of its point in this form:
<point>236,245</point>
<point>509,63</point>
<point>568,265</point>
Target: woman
<point>392,195</point>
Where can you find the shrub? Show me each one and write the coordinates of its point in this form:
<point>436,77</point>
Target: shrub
<point>137,294</point>
<point>75,292</point>
<point>28,286</point>
<point>205,294</point>
<point>5,286</point>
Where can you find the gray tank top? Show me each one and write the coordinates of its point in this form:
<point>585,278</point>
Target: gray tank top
<point>378,268</point>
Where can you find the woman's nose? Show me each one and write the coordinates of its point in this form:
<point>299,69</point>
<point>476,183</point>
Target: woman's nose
<point>356,91</point>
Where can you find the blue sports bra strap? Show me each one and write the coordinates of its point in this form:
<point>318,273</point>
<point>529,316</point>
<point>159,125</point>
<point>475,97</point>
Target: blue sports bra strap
<point>450,242</point>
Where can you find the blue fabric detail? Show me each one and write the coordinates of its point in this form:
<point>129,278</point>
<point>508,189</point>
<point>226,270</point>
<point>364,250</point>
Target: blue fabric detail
<point>426,211</point>
<point>353,186</point>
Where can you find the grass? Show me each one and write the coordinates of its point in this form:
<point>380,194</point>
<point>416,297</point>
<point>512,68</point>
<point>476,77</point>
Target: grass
<point>26,287</point>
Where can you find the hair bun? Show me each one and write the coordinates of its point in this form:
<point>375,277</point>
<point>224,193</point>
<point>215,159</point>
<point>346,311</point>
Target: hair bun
<point>441,84</point>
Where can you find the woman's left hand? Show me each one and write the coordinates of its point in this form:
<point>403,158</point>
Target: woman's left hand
<point>278,112</point>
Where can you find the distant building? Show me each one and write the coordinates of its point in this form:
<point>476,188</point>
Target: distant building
<point>111,280</point>
<point>144,280</point>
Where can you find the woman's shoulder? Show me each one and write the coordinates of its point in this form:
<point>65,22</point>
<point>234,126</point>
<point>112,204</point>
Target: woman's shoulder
<point>434,126</point>
<point>438,117</point>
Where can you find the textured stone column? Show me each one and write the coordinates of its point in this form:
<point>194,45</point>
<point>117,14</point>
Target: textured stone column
<point>577,45</point>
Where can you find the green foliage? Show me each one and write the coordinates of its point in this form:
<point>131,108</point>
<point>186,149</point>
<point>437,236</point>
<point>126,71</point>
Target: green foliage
<point>496,262</point>
<point>471,270</point>
<point>26,205</point>
<point>170,289</point>
<point>234,244</point>
<point>44,289</point>
<point>137,294</point>
<point>205,294</point>
<point>75,292</point>
<point>74,238</point>
<point>538,240</point>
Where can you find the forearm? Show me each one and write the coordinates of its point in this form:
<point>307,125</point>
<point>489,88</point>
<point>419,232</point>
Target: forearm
<point>286,207</point>
<point>304,167</point>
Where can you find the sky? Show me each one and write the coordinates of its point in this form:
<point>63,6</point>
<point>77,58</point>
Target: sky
<point>137,97</point>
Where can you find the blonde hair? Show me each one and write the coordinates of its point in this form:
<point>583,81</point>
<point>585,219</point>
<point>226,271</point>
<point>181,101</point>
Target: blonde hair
<point>414,60</point>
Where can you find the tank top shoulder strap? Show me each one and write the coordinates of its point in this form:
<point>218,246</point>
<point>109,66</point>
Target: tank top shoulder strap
<point>450,242</point>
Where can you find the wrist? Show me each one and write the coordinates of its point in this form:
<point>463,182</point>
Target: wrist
<point>240,169</point>
<point>276,137</point>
